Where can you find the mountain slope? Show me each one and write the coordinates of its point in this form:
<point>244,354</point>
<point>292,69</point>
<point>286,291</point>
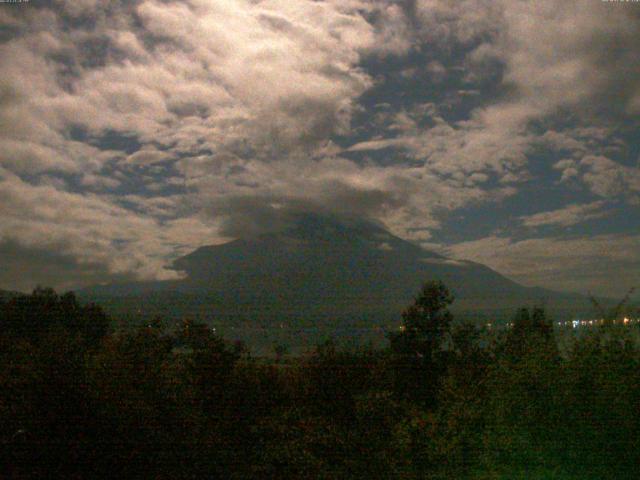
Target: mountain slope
<point>321,266</point>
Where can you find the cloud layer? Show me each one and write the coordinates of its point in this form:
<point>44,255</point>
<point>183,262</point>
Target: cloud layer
<point>135,131</point>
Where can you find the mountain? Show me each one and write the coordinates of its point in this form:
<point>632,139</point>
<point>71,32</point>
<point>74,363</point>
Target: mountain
<point>321,270</point>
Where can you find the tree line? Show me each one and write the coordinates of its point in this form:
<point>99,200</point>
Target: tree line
<point>79,399</point>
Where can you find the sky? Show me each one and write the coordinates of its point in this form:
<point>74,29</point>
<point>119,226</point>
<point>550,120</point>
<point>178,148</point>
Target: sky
<point>135,131</point>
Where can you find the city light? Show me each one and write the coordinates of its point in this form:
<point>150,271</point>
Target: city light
<point>578,323</point>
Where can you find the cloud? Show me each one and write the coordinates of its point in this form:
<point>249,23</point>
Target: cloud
<point>603,176</point>
<point>550,58</point>
<point>570,55</point>
<point>147,156</point>
<point>278,76</point>
<point>147,119</point>
<point>566,216</point>
<point>460,150</point>
<point>603,264</point>
<point>209,85</point>
<point>24,267</point>
<point>92,232</point>
<point>607,178</point>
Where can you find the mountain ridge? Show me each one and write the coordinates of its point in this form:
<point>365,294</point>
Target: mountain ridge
<point>327,263</point>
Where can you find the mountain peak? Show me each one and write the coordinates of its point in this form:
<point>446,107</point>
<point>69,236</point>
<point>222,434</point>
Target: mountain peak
<point>317,226</point>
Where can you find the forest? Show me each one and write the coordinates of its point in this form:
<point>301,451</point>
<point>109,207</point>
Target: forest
<point>444,399</point>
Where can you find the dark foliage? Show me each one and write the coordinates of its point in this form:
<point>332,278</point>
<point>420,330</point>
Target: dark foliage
<point>418,349</point>
<point>35,316</point>
<point>444,400</point>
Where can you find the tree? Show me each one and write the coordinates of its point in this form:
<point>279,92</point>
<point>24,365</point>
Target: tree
<point>531,330</point>
<point>280,350</point>
<point>35,316</point>
<point>418,347</point>
<point>426,323</point>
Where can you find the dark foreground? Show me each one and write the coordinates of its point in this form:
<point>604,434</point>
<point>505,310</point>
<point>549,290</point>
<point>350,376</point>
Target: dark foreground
<point>441,401</point>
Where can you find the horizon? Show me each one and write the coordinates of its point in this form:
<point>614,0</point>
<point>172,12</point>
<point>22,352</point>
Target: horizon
<point>503,133</point>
